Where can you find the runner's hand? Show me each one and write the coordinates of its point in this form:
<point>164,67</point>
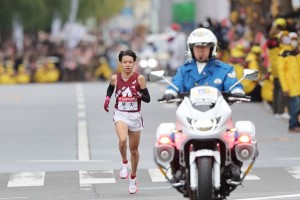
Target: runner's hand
<point>106,103</point>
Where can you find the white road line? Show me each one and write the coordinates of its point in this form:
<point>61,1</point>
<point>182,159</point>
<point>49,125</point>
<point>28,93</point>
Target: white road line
<point>61,161</point>
<point>80,106</point>
<point>250,176</point>
<point>296,176</point>
<point>295,171</point>
<point>24,179</point>
<point>272,197</point>
<point>81,114</point>
<point>80,99</point>
<point>82,132</point>
<point>156,175</point>
<point>292,158</point>
<point>78,87</point>
<point>86,178</point>
<point>83,141</point>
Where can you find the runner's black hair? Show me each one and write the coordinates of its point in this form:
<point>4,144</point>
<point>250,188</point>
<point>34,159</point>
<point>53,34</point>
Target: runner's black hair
<point>127,53</point>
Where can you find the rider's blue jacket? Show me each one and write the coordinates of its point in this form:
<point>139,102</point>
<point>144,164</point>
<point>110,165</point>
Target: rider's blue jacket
<point>215,73</point>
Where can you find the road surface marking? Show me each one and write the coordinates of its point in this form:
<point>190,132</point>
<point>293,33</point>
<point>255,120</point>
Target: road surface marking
<point>295,171</point>
<point>156,175</point>
<point>83,141</point>
<point>81,114</point>
<point>87,178</point>
<point>82,133</point>
<point>80,106</point>
<point>26,179</point>
<point>80,99</point>
<point>272,197</point>
<point>250,176</point>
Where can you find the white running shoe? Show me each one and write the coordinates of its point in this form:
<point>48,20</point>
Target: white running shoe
<point>133,187</point>
<point>282,116</point>
<point>124,171</point>
<point>285,116</point>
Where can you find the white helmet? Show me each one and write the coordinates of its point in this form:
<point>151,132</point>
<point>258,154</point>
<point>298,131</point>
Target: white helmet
<point>205,37</point>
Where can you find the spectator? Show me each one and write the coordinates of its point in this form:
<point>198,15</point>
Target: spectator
<point>177,48</point>
<point>289,77</point>
<point>279,100</point>
<point>253,88</point>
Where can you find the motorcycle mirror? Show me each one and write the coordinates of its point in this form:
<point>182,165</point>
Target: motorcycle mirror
<point>156,75</point>
<point>250,74</point>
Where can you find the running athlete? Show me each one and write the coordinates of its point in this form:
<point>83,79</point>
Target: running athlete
<point>130,91</point>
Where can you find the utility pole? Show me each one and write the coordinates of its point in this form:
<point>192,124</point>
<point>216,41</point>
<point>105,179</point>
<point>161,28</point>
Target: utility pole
<point>73,10</point>
<point>155,16</point>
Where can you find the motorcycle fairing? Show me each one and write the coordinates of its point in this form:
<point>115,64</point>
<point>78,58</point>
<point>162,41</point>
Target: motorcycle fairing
<point>187,116</point>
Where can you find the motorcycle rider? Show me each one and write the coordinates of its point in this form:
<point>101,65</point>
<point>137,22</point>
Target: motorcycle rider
<point>202,68</point>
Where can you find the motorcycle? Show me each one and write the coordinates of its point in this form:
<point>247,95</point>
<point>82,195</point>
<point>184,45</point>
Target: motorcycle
<point>204,142</point>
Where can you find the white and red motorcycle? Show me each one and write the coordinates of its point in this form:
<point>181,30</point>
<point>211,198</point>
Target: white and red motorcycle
<point>205,143</point>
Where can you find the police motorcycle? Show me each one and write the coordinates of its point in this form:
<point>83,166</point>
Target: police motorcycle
<point>205,141</point>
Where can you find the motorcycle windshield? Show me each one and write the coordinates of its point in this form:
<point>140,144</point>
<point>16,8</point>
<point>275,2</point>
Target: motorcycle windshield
<point>204,98</point>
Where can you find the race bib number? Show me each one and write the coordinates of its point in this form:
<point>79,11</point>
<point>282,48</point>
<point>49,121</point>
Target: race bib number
<point>127,103</point>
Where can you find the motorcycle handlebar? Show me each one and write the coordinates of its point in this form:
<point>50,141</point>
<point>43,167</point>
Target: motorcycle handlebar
<point>229,97</point>
<point>233,98</point>
<point>169,101</point>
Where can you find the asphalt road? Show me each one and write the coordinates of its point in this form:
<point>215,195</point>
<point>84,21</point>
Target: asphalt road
<point>57,142</point>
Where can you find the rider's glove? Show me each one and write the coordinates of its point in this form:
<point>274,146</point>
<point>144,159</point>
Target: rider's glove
<point>168,97</point>
<point>106,103</point>
<point>238,92</point>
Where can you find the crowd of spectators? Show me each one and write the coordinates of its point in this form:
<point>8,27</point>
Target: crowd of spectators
<point>47,60</point>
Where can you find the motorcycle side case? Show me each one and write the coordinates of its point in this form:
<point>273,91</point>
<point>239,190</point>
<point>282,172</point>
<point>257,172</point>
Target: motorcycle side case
<point>246,127</point>
<point>164,153</point>
<point>165,129</point>
<point>246,151</point>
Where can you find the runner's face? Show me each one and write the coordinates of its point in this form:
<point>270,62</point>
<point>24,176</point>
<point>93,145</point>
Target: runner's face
<point>201,53</point>
<point>127,64</point>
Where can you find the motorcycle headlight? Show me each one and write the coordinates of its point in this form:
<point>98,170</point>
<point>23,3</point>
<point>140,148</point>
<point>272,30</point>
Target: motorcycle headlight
<point>203,124</point>
<point>152,62</point>
<point>143,63</point>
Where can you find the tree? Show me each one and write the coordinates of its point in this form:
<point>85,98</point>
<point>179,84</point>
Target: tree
<point>38,14</point>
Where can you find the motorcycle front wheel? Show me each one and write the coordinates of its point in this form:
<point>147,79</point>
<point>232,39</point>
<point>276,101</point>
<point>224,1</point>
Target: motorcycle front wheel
<point>205,180</point>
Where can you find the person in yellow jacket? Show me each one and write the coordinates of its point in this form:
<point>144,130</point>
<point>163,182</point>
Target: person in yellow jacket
<point>267,91</point>
<point>8,76</point>
<point>279,101</point>
<point>237,59</point>
<point>52,73</point>
<point>103,71</point>
<point>22,75</point>
<point>253,88</point>
<point>294,40</point>
<point>289,77</point>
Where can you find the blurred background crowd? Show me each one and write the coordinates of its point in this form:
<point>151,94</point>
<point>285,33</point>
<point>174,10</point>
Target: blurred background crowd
<point>43,41</point>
